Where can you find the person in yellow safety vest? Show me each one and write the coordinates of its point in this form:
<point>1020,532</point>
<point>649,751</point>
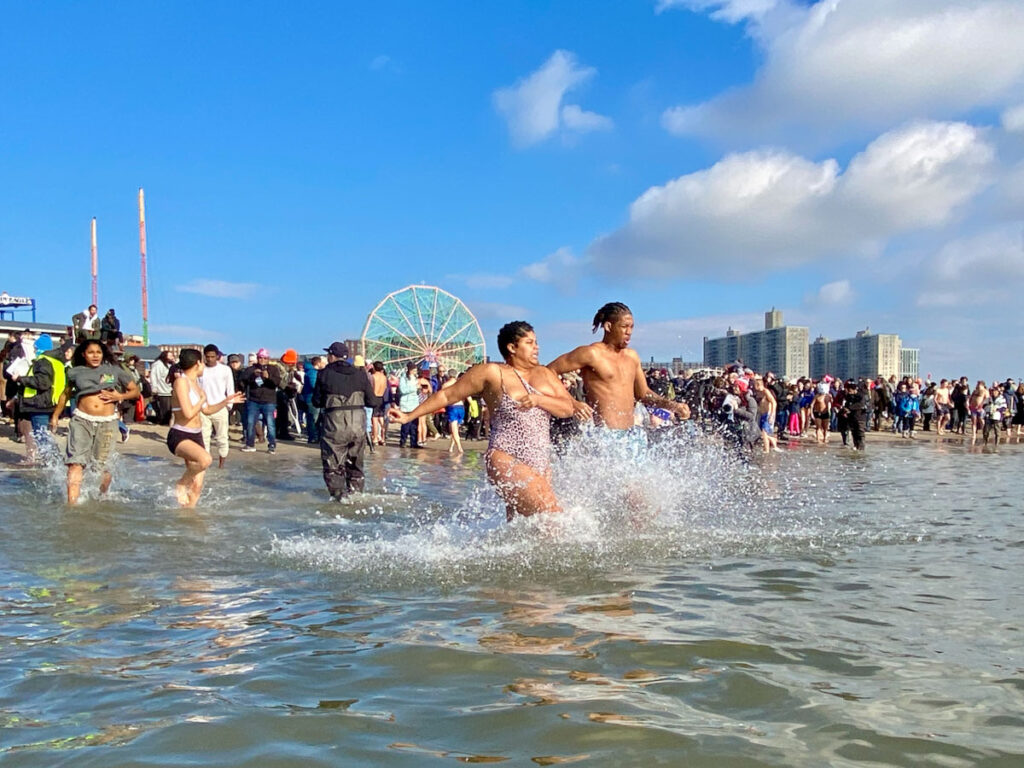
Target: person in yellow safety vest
<point>40,389</point>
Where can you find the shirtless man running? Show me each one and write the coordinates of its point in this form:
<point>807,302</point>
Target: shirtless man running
<point>612,373</point>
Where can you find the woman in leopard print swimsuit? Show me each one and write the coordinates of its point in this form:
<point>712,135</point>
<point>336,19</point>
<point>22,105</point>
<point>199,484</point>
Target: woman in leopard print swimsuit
<point>521,395</point>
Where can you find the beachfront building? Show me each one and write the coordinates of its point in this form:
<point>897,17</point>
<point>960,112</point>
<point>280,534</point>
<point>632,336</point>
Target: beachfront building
<point>676,367</point>
<point>866,355</point>
<point>910,366</point>
<point>781,349</point>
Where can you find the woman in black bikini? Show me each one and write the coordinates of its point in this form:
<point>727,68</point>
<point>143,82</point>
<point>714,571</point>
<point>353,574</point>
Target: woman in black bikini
<point>185,437</point>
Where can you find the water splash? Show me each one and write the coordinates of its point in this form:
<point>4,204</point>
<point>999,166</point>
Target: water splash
<point>683,495</point>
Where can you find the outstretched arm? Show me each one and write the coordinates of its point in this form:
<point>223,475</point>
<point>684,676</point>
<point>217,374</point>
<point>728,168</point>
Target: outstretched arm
<point>571,361</point>
<point>235,397</point>
<point>578,359</point>
<point>644,395</point>
<point>472,382</point>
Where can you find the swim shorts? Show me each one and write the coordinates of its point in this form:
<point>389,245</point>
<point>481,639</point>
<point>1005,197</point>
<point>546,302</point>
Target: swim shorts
<point>176,436</point>
<point>618,445</point>
<point>456,413</point>
<point>765,424</point>
<point>91,439</point>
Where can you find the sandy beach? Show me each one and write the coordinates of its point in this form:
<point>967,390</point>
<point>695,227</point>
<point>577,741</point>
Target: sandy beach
<point>149,440</point>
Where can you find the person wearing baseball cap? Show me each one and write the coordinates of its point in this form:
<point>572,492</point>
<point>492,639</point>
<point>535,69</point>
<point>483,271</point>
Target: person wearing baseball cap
<point>342,391</point>
<point>338,349</point>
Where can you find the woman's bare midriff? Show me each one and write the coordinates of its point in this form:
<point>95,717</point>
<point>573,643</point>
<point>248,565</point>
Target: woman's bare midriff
<point>95,406</point>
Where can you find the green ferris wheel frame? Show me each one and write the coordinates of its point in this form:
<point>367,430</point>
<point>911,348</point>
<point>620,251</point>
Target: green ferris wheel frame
<point>423,323</point>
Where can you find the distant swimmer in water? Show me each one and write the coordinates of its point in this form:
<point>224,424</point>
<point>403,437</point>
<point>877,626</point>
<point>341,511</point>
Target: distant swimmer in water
<point>521,396</point>
<point>99,385</point>
<point>185,437</point>
<point>612,373</point>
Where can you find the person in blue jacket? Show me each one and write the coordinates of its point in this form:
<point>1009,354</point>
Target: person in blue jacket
<point>311,368</point>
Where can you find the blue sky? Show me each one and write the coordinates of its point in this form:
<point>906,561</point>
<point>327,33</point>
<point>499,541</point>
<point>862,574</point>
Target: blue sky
<point>701,160</point>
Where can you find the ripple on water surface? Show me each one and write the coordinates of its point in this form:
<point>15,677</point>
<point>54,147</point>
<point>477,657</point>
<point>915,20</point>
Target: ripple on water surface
<point>810,608</point>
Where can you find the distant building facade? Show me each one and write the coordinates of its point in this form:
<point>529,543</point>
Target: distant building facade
<point>867,355</point>
<point>779,348</point>
<point>910,365</point>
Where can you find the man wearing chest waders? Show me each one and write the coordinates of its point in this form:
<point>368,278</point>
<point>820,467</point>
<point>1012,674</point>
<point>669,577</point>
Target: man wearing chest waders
<point>341,392</point>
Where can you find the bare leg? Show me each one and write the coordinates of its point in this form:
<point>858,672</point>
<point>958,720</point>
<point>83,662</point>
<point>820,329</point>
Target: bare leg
<point>197,461</point>
<point>456,438</point>
<point>74,482</point>
<point>25,429</point>
<point>105,480</point>
<point>524,490</point>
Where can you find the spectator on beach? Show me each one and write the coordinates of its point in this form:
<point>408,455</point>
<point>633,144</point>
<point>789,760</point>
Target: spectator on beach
<point>943,406</point>
<point>160,381</point>
<point>110,330</point>
<point>39,391</point>
<point>455,411</point>
<point>218,384</point>
<point>311,369</point>
<point>959,397</point>
<point>995,408</point>
<point>928,407</point>
<point>236,414</point>
<point>976,408</point>
<point>1017,395</point>
<point>821,412</point>
<point>408,400</point>
<point>86,324</point>
<point>261,381</point>
<point>380,390</point>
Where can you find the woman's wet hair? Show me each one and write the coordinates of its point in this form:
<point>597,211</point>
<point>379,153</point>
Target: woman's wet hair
<point>609,313</point>
<point>189,358</point>
<point>78,358</point>
<point>511,333</point>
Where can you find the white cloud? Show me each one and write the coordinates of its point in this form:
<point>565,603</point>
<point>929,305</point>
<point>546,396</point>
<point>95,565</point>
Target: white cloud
<point>835,294</point>
<point>561,269</point>
<point>839,65</point>
<point>1013,119</point>
<point>533,106</point>
<point>581,121</point>
<point>758,211</point>
<point>985,269</point>
<point>729,11</point>
<point>380,62</point>
<point>220,289</point>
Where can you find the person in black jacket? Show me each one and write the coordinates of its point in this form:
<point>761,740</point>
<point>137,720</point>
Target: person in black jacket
<point>851,415</point>
<point>261,382</point>
<point>342,391</point>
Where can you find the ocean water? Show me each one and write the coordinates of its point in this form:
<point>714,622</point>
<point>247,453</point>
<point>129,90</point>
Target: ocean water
<point>810,608</point>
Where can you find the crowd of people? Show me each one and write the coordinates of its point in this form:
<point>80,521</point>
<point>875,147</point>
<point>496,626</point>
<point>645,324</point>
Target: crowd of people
<point>346,405</point>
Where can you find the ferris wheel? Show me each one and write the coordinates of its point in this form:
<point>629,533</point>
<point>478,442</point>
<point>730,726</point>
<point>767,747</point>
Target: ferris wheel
<point>422,323</point>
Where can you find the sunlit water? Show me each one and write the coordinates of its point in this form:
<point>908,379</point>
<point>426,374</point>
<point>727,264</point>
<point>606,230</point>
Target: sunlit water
<point>812,608</point>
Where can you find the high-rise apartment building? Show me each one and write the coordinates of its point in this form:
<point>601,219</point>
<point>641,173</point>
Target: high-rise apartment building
<point>867,355</point>
<point>910,365</point>
<point>779,348</point>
